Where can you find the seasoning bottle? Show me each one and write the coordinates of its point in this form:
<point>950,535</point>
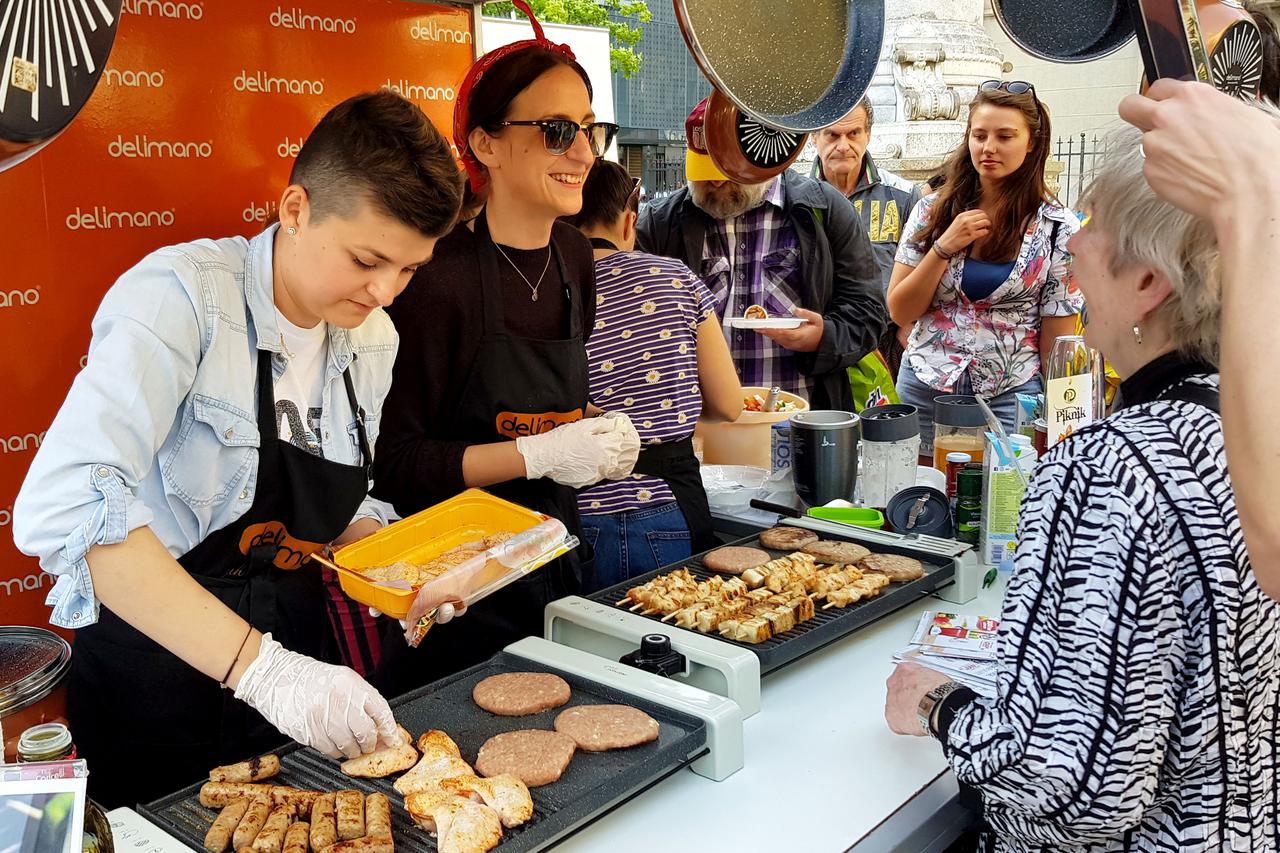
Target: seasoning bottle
<point>969,504</point>
<point>955,464</point>
<point>46,742</point>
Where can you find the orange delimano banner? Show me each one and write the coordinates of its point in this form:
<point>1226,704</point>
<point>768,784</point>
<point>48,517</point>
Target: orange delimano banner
<point>191,133</point>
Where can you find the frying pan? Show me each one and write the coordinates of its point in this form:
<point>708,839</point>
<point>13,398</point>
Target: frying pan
<point>1074,31</point>
<point>744,148</point>
<point>47,79</point>
<point>797,66</point>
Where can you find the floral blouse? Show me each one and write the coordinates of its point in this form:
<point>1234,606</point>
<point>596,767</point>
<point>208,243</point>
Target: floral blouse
<point>996,339</point>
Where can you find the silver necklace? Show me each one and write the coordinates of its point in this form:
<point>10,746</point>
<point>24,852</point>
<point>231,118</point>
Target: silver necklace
<point>533,288</point>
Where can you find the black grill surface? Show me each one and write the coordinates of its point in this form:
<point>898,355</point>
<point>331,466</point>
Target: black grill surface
<point>593,783</point>
<point>826,625</point>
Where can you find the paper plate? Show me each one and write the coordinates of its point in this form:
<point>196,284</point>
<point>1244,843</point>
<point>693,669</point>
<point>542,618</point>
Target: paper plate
<point>770,323</point>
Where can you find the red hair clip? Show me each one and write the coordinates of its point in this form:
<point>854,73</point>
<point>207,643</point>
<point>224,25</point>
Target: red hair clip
<point>462,107</point>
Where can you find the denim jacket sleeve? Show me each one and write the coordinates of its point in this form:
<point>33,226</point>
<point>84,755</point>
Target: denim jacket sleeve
<point>81,489</point>
<point>377,357</point>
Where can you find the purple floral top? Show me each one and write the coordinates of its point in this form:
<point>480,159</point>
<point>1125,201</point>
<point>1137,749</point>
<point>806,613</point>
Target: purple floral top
<point>996,339</point>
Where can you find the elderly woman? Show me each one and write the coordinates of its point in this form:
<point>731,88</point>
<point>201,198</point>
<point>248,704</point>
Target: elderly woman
<point>1138,687</point>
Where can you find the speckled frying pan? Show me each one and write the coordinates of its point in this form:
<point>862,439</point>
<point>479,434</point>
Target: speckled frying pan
<point>1073,31</point>
<point>797,66</point>
<point>51,56</point>
<point>744,148</point>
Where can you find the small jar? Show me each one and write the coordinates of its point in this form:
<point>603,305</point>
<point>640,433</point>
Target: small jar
<point>955,464</point>
<point>47,742</point>
<point>969,505</point>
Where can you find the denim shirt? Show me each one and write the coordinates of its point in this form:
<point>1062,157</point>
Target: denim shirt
<point>160,428</point>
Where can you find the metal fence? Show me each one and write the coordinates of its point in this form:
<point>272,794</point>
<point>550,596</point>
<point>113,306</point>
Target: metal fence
<point>1081,156</point>
<point>662,177</point>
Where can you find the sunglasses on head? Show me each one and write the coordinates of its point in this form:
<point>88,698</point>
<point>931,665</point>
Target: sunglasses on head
<point>1013,87</point>
<point>634,196</point>
<point>558,134</point>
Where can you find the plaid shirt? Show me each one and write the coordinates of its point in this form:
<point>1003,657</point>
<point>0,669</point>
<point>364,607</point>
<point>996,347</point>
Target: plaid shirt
<point>754,259</point>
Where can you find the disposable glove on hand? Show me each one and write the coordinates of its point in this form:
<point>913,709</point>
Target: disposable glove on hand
<point>317,704</point>
<point>581,453</point>
<point>630,446</point>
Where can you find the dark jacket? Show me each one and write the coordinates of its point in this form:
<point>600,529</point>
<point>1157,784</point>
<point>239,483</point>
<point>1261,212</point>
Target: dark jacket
<point>841,280</point>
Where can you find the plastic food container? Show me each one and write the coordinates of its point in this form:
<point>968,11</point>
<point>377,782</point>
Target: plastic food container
<point>421,538</point>
<point>749,439</point>
<point>33,666</point>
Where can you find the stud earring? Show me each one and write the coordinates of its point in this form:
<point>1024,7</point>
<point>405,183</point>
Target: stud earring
<point>1137,335</point>
<point>293,231</point>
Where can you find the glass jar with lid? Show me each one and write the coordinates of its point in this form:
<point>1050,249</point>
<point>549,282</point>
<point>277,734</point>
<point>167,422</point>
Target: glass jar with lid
<point>46,742</point>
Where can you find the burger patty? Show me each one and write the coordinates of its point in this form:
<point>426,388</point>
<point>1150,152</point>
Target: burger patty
<point>893,566</point>
<point>787,538</point>
<point>735,560</point>
<point>596,728</point>
<point>836,553</point>
<point>534,756</point>
<point>515,694</point>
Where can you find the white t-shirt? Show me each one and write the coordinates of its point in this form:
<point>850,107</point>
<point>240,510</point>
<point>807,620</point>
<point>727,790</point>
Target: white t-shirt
<point>300,389</point>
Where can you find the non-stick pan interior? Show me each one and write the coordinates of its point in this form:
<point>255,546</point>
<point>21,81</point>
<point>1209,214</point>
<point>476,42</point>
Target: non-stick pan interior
<point>797,66</point>
<point>1076,31</point>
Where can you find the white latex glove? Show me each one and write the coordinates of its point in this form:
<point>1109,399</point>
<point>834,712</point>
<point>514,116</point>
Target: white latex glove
<point>582,453</point>
<point>446,613</point>
<point>317,704</point>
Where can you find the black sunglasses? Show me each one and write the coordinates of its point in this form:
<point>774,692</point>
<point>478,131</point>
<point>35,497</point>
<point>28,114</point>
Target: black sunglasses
<point>558,134</point>
<point>1013,87</point>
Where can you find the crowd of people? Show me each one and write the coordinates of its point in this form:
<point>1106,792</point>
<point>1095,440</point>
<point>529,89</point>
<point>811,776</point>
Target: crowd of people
<point>247,402</point>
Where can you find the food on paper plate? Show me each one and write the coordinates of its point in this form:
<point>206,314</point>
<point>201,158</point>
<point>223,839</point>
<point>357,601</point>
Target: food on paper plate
<point>734,560</point>
<point>755,312</point>
<point>253,770</point>
<point>534,756</point>
<point>836,553</point>
<point>385,760</point>
<point>218,838</point>
<point>515,694</point>
<point>755,403</point>
<point>598,728</point>
<point>349,806</point>
<point>787,538</point>
<point>895,567</point>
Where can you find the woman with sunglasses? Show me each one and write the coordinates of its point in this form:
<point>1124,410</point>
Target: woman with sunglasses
<point>490,386</point>
<point>983,271</point>
<point>657,354</point>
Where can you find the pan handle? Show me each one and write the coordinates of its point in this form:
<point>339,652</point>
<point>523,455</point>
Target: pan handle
<point>781,509</point>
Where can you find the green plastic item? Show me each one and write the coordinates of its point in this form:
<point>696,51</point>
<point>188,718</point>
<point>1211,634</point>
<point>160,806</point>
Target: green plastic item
<point>861,516</point>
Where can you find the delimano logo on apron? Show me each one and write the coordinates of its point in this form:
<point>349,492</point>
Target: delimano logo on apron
<point>517,424</point>
<point>290,552</point>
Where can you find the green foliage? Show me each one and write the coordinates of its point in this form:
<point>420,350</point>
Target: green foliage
<point>623,36</point>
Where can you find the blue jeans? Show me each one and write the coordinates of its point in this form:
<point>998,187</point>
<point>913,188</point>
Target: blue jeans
<point>914,392</point>
<point>628,544</point>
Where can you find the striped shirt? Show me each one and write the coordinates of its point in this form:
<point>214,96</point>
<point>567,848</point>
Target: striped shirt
<point>754,259</point>
<point>643,357</point>
<point>1138,686</point>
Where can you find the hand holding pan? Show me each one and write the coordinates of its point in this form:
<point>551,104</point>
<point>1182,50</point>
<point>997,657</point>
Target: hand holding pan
<point>747,150</point>
<point>44,83</point>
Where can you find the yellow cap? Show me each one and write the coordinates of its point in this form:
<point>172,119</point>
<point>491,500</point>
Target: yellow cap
<point>700,167</point>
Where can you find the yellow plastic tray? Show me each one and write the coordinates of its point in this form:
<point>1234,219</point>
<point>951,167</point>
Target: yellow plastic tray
<point>423,537</point>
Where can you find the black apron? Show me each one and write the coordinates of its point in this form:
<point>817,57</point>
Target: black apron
<point>147,723</point>
<point>514,385</point>
<point>674,463</point>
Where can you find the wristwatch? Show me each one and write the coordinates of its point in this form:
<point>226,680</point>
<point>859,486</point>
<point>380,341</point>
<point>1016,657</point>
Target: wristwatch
<point>929,704</point>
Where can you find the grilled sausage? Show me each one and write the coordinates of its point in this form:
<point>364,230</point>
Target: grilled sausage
<point>295,840</point>
<point>324,825</point>
<point>218,838</point>
<point>349,806</point>
<point>251,823</point>
<point>271,839</point>
<point>301,801</point>
<point>368,844</point>
<point>253,770</point>
<point>377,815</point>
<point>217,795</point>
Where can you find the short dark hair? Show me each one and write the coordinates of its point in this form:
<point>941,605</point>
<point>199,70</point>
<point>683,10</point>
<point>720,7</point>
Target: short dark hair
<point>607,190</point>
<point>489,103</point>
<point>380,147</point>
<point>865,103</point>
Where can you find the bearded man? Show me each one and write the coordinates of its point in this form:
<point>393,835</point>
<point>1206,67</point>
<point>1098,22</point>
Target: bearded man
<point>792,245</point>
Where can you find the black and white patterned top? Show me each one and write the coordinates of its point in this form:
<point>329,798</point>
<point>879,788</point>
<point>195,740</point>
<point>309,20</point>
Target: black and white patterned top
<point>1139,672</point>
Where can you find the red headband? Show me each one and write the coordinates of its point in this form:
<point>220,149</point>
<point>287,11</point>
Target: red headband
<point>462,108</point>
